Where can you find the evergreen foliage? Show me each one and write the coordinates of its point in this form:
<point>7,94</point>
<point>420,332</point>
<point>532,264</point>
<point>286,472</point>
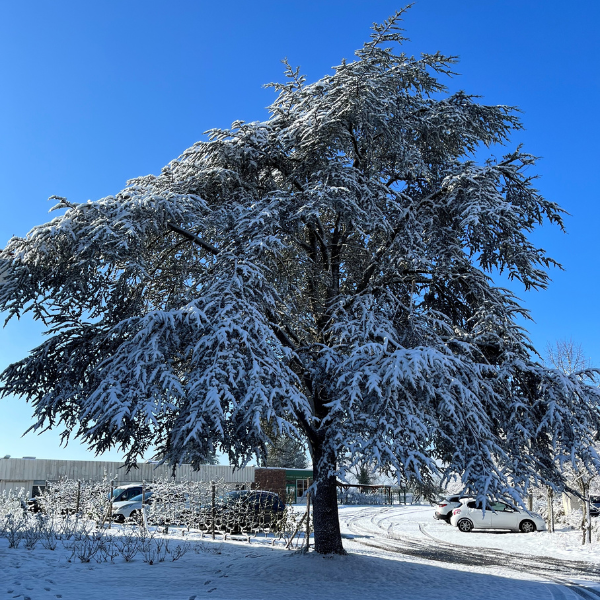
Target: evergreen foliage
<point>283,451</point>
<point>328,271</point>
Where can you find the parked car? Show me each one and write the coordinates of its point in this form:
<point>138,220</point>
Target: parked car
<point>248,509</point>
<point>34,505</point>
<point>125,493</point>
<point>445,506</point>
<point>498,515</point>
<point>130,509</point>
<point>594,506</point>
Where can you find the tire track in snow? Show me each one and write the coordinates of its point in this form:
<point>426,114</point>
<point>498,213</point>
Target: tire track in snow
<point>543,567</point>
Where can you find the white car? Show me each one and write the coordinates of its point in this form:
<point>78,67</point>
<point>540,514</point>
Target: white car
<point>130,509</point>
<point>498,515</point>
<point>445,506</point>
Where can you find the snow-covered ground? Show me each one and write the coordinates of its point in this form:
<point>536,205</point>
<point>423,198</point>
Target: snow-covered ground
<point>418,521</point>
<point>377,539</point>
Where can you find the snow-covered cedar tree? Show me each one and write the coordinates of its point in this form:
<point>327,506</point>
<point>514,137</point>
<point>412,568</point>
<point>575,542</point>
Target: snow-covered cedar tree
<point>327,271</point>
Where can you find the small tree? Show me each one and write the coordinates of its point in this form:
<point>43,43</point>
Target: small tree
<point>570,359</point>
<point>283,450</point>
<point>326,271</point>
<point>362,471</point>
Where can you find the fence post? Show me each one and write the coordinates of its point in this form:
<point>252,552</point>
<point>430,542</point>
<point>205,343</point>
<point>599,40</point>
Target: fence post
<point>78,495</point>
<point>307,521</point>
<point>143,511</point>
<point>110,501</point>
<point>587,513</point>
<point>551,509</point>
<point>214,509</point>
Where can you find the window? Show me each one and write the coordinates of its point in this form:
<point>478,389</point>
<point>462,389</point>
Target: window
<point>301,486</point>
<point>38,490</point>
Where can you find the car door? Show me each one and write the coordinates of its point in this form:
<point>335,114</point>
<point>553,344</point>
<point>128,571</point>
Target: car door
<point>504,517</point>
<point>480,520</point>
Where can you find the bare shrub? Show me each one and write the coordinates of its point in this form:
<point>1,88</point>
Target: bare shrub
<point>31,532</point>
<point>13,528</point>
<point>128,544</point>
<point>87,547</point>
<point>48,537</point>
<point>207,548</point>
<point>180,550</point>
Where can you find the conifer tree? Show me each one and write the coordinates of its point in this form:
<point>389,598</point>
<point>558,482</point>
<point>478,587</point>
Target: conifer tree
<point>328,271</point>
<point>283,450</point>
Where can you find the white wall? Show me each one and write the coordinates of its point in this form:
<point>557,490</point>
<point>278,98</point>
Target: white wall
<point>20,472</point>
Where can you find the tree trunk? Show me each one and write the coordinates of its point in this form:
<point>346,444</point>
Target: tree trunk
<point>328,537</point>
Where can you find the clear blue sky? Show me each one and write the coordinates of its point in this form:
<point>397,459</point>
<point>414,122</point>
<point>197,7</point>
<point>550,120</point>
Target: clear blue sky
<point>92,94</point>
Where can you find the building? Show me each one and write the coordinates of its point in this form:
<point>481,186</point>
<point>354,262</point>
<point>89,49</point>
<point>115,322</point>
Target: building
<point>33,474</point>
<point>297,481</point>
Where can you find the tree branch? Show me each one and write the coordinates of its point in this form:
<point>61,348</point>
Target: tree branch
<point>193,238</point>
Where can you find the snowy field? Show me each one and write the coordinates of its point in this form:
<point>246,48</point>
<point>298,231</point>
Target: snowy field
<point>394,553</point>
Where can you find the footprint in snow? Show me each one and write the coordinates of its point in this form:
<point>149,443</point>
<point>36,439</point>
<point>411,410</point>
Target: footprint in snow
<point>192,598</point>
<point>211,590</point>
<point>47,589</point>
<point>207,582</point>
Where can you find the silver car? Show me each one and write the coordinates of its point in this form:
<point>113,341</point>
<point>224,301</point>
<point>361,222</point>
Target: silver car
<point>130,509</point>
<point>498,515</point>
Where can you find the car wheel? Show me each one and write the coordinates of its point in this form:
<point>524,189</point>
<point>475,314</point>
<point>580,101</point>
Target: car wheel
<point>527,526</point>
<point>119,518</point>
<point>136,516</point>
<point>465,525</point>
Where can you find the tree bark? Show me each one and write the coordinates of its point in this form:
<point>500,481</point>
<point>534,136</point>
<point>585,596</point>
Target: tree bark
<point>328,537</point>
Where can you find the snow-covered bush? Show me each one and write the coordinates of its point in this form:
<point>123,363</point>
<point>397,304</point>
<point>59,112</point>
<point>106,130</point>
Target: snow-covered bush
<point>74,513</point>
<point>13,527</point>
<point>90,499</point>
<point>12,502</point>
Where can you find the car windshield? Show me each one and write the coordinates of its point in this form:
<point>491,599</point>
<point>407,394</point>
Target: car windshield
<point>234,496</point>
<point>138,498</point>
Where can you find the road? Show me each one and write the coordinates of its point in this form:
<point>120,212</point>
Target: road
<point>412,532</point>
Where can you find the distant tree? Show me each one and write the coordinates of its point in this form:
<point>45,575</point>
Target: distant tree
<point>363,474</point>
<point>328,271</point>
<point>283,450</point>
<point>569,358</point>
<point>361,471</point>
